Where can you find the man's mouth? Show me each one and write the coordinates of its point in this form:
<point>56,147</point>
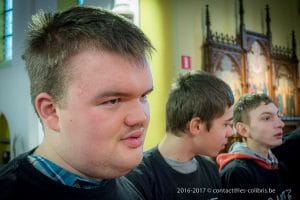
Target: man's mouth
<point>135,139</point>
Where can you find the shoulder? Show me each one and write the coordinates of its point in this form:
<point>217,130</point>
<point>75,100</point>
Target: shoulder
<point>236,172</point>
<point>9,170</point>
<point>239,165</point>
<point>290,144</point>
<point>152,154</point>
<point>150,162</point>
<point>143,175</point>
<point>123,182</point>
<point>149,158</point>
<point>10,176</point>
<point>294,135</point>
<point>120,188</point>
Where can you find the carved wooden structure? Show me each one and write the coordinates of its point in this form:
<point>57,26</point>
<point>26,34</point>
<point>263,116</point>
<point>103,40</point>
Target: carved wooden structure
<point>249,62</point>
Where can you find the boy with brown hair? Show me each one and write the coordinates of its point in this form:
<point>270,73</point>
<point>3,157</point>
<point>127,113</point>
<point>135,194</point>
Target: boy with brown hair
<point>250,168</point>
<point>199,122</point>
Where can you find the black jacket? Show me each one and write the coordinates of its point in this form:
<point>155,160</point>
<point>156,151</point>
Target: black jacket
<point>155,179</point>
<point>247,180</point>
<point>20,180</point>
<point>288,153</point>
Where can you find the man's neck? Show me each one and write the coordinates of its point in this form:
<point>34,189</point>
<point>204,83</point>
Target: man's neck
<point>261,150</point>
<point>176,148</point>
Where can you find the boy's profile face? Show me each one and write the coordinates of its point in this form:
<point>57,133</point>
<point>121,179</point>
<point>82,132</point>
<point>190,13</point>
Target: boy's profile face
<point>265,126</point>
<point>214,140</point>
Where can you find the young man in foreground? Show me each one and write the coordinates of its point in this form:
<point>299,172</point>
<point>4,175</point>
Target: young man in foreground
<point>89,81</point>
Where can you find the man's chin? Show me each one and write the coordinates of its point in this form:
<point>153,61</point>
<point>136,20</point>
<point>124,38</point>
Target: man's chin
<point>131,165</point>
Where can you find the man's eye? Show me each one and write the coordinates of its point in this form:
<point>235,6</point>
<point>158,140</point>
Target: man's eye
<point>113,101</point>
<point>229,125</point>
<point>266,118</point>
<point>144,98</point>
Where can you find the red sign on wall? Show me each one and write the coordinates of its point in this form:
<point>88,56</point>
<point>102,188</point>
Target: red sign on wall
<point>186,62</point>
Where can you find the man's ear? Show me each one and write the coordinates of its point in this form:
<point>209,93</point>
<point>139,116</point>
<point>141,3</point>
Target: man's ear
<point>195,126</point>
<point>242,129</point>
<point>46,109</point>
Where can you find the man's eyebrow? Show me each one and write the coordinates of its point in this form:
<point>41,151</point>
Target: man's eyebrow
<point>111,94</point>
<point>269,113</point>
<point>148,91</point>
<point>230,119</point>
<point>119,93</point>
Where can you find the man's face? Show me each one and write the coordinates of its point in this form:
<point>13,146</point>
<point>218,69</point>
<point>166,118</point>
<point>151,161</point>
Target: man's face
<point>216,138</point>
<point>104,121</point>
<point>265,127</point>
